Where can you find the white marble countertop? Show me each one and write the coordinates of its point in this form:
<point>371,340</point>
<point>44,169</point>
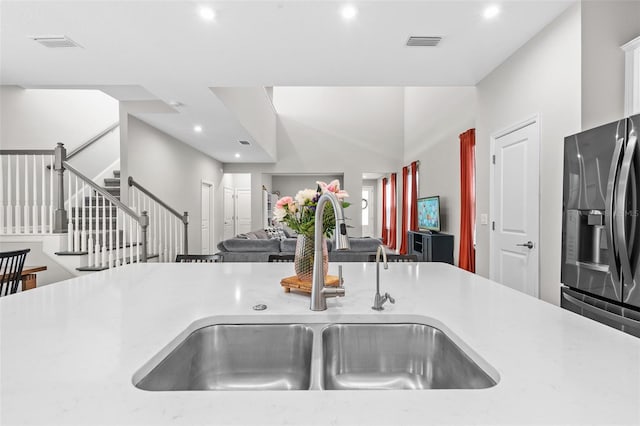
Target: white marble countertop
<point>68,351</point>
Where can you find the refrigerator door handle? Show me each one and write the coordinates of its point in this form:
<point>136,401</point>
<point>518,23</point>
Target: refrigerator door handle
<point>620,212</point>
<point>609,208</point>
<point>597,311</point>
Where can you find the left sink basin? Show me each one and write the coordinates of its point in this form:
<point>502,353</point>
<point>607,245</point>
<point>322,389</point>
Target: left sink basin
<point>237,357</point>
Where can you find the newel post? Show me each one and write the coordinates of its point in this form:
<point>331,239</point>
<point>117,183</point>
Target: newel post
<point>144,223</point>
<point>60,214</point>
<point>185,220</point>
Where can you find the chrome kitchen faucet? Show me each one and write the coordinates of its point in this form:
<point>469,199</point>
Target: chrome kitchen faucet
<point>320,292</point>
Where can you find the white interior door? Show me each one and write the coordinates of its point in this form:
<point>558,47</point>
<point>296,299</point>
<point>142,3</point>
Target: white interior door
<point>368,210</point>
<point>515,207</point>
<point>206,204</point>
<point>243,211</point>
<point>228,206</point>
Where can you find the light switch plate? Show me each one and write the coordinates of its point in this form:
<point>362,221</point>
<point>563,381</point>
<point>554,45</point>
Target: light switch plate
<point>484,219</point>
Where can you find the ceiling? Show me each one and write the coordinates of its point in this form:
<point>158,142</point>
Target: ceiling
<point>164,51</point>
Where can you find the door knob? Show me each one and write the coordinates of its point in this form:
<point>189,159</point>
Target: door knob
<point>528,245</point>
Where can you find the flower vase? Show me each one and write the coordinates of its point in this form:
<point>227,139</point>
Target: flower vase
<point>303,261</point>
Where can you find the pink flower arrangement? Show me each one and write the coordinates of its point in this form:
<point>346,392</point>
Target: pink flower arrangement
<point>299,212</point>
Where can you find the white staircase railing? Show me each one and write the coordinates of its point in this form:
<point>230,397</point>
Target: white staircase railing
<point>27,194</point>
<point>33,201</point>
<point>41,193</point>
<point>111,233</point>
<point>168,229</point>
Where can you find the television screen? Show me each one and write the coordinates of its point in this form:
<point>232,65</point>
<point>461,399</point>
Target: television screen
<point>429,213</point>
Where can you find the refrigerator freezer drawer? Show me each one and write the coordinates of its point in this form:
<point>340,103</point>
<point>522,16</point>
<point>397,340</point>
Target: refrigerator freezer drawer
<point>615,316</point>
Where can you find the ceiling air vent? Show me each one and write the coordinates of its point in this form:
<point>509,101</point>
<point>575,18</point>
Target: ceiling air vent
<point>423,41</point>
<point>244,142</point>
<point>55,42</point>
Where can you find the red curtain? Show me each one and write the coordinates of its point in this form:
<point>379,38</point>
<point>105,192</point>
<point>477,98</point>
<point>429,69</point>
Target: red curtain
<point>406,205</point>
<point>385,227</point>
<point>467,257</point>
<point>393,213</point>
<point>413,223</point>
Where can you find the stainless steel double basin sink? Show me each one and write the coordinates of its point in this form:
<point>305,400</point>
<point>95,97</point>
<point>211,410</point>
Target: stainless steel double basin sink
<point>324,356</point>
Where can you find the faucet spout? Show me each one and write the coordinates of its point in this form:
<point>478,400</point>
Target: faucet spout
<point>378,299</point>
<point>319,292</point>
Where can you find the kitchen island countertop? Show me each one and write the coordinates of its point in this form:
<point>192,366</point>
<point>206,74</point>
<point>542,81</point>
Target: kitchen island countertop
<point>68,351</point>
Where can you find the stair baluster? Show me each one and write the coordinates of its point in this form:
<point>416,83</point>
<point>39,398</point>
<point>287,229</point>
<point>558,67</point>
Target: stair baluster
<point>2,209</point>
<point>43,193</point>
<point>83,233</point>
<point>76,224</point>
<point>90,246</point>
<point>34,199</point>
<point>51,195</point>
<point>69,219</point>
<point>110,259</point>
<point>17,212</point>
<point>25,209</point>
<point>9,198</point>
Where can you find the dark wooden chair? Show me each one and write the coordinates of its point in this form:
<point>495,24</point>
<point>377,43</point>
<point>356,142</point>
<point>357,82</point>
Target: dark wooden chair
<point>280,258</point>
<point>198,258</point>
<point>11,264</point>
<point>396,258</point>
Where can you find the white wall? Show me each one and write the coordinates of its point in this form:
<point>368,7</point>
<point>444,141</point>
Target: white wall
<point>543,77</point>
<point>236,180</point>
<point>434,119</point>
<point>253,108</point>
<point>173,171</point>
<point>333,131</point>
<point>606,25</point>
<point>291,184</point>
<point>36,257</point>
<point>39,118</point>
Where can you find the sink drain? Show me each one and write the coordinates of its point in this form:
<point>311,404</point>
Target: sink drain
<point>260,307</point>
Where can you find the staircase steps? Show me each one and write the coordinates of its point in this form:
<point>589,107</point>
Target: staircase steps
<point>127,260</point>
<point>107,249</point>
<point>98,201</point>
<point>113,190</point>
<point>112,182</point>
<point>110,211</point>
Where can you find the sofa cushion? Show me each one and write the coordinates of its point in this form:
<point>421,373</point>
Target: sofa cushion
<point>288,245</point>
<point>259,234</point>
<point>275,233</point>
<point>364,244</point>
<point>242,245</point>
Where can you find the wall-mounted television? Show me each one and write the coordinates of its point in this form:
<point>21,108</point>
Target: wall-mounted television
<point>429,213</point>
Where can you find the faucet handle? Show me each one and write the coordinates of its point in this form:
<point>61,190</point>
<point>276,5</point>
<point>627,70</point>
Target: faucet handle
<point>391,299</point>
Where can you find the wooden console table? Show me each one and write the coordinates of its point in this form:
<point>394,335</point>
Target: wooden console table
<point>28,276</point>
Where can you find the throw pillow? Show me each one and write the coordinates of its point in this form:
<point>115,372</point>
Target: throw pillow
<point>275,233</point>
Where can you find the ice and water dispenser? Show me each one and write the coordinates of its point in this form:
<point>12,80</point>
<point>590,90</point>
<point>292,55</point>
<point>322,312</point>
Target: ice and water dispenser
<point>586,241</point>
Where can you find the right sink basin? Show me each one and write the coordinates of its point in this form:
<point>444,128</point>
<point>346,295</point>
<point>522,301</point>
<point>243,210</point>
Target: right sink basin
<point>396,356</point>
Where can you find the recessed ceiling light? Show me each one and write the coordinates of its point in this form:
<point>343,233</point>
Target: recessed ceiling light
<point>197,129</point>
<point>207,13</point>
<point>176,104</point>
<point>237,155</point>
<point>348,12</point>
<point>491,11</point>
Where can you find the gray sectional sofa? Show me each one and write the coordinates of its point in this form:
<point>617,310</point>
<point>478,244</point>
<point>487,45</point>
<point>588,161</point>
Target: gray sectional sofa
<point>256,246</point>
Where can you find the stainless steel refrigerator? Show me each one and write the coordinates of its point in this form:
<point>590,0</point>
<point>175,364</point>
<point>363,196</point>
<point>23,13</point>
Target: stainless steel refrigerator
<point>601,225</point>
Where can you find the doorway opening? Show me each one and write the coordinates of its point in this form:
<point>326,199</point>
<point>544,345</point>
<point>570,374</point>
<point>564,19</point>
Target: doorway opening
<point>206,208</point>
<point>236,204</point>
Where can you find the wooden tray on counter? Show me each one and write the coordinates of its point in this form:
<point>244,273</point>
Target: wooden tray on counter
<point>293,283</point>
